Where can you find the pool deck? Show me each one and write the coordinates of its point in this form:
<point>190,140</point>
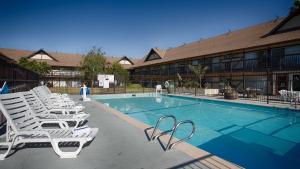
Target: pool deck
<point>120,144</point>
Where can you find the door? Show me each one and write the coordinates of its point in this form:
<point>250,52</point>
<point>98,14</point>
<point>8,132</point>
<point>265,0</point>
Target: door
<point>282,82</point>
<point>296,83</point>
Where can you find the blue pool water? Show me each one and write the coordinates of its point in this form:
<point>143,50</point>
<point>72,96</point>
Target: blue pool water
<point>252,136</point>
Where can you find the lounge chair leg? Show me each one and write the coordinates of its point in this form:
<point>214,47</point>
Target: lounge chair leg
<point>77,123</point>
<point>63,154</point>
<point>9,146</point>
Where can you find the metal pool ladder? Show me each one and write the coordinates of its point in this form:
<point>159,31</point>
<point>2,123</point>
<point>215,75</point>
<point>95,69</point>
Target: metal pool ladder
<point>174,128</point>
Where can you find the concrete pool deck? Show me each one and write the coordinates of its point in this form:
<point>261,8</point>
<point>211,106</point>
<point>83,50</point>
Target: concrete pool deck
<point>120,143</point>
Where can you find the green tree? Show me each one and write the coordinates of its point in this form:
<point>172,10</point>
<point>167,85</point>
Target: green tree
<point>118,70</point>
<point>199,72</point>
<point>295,6</point>
<point>41,68</point>
<point>93,63</point>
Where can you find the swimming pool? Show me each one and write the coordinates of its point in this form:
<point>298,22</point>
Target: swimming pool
<point>248,135</point>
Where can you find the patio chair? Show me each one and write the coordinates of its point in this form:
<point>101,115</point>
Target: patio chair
<point>23,127</point>
<point>43,114</point>
<point>283,95</point>
<point>158,89</point>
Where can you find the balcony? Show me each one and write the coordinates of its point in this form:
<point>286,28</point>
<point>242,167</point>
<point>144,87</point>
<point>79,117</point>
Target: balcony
<point>290,62</point>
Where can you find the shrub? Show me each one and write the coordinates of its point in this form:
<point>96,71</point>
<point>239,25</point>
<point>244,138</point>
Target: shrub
<point>134,86</point>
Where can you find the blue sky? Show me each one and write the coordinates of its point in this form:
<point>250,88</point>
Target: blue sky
<point>126,27</point>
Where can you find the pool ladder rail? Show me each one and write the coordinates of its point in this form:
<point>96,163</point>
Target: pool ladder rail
<point>174,128</point>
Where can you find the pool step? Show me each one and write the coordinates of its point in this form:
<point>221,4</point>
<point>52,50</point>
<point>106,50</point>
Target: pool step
<point>229,129</point>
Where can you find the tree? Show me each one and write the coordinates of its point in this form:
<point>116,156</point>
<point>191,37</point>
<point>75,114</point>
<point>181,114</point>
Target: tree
<point>118,70</point>
<point>93,63</point>
<point>199,72</point>
<point>295,6</point>
<point>41,68</point>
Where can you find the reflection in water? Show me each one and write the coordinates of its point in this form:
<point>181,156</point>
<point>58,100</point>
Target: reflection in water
<point>158,99</point>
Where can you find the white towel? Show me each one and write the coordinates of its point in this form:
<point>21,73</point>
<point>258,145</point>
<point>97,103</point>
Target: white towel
<point>80,115</point>
<point>81,130</point>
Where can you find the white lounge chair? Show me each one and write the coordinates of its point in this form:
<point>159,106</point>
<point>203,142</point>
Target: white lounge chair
<point>44,114</point>
<point>47,90</point>
<point>43,93</point>
<point>23,127</point>
<point>58,103</point>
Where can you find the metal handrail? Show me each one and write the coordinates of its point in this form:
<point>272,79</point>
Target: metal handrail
<point>169,145</point>
<point>153,137</point>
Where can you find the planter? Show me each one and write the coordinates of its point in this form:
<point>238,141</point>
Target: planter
<point>208,92</point>
<point>230,95</point>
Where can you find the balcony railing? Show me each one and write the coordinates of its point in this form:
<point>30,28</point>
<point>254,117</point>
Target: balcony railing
<point>290,62</point>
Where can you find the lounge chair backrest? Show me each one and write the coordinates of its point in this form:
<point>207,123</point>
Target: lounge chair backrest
<point>46,89</point>
<point>35,102</point>
<point>43,98</point>
<point>39,92</point>
<point>18,113</point>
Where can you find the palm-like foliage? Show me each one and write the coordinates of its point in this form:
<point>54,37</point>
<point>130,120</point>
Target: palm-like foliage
<point>179,79</point>
<point>199,72</point>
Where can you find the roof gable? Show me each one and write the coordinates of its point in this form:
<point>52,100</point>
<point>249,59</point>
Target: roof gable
<point>41,55</point>
<point>154,54</point>
<point>124,59</point>
<point>290,23</point>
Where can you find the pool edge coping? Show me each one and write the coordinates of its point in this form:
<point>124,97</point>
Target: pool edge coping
<point>190,150</point>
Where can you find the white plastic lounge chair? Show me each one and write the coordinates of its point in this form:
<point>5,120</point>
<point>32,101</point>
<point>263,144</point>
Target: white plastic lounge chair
<point>22,127</point>
<point>57,103</point>
<point>47,90</point>
<point>44,114</point>
<point>43,93</point>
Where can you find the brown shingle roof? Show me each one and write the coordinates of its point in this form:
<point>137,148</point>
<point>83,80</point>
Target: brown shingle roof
<point>160,52</point>
<point>241,39</point>
<point>63,59</point>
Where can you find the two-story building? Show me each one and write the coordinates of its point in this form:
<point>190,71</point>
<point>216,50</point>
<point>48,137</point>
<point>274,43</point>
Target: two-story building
<point>265,56</point>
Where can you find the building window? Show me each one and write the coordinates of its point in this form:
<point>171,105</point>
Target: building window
<point>255,60</point>
<point>292,50</point>
<point>195,62</point>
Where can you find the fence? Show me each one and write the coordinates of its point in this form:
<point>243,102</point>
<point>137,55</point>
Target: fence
<point>113,89</point>
<point>17,78</point>
<point>265,90</point>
